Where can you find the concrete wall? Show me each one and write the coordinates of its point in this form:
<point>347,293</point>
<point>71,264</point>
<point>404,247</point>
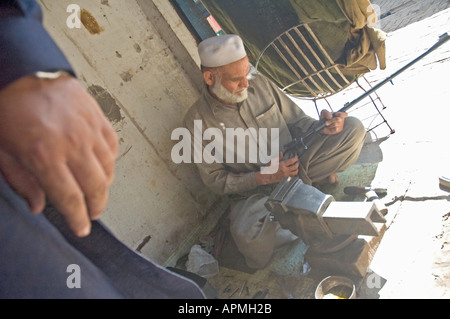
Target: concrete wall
<point>139,61</point>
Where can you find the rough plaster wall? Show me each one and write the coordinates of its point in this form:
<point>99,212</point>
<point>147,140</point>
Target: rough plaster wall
<point>144,79</point>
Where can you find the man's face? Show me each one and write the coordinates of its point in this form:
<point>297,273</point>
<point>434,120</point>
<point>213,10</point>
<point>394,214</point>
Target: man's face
<point>231,82</point>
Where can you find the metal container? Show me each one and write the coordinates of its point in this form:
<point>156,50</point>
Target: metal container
<point>336,287</point>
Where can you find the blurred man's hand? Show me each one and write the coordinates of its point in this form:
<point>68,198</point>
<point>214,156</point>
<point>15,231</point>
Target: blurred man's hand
<point>56,142</point>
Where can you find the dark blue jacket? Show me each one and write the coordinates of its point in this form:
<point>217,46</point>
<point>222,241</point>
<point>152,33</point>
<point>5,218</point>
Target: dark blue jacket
<point>25,46</point>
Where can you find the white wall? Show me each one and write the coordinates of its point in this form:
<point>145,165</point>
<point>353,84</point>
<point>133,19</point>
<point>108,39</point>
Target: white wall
<point>143,70</point>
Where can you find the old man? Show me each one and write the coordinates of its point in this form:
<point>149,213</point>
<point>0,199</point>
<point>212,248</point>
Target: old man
<point>237,100</point>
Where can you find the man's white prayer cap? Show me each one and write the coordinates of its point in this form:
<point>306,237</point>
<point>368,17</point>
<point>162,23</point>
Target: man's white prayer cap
<point>221,50</point>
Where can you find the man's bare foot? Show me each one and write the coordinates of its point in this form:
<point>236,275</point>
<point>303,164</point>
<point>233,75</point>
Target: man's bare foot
<point>332,179</point>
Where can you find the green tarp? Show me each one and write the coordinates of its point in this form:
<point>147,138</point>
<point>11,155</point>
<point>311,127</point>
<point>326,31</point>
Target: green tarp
<point>341,26</point>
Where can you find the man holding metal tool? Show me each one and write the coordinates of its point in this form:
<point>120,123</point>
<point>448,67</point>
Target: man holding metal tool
<point>234,98</point>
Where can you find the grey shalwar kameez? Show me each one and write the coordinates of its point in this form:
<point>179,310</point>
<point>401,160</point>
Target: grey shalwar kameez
<point>255,234</point>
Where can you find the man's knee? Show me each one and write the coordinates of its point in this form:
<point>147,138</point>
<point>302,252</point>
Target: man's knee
<point>355,128</point>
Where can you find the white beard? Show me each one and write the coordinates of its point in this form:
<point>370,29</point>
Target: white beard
<point>223,94</point>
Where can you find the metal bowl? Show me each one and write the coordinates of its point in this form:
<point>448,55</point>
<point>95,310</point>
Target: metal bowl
<point>336,287</point>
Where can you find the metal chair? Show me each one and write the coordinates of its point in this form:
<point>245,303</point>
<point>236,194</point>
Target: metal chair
<point>309,72</point>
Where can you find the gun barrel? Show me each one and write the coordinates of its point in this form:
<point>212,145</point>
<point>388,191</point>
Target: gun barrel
<point>442,39</point>
<point>321,125</point>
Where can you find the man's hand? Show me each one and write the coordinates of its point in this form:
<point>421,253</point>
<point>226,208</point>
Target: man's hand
<point>334,123</point>
<point>22,181</point>
<point>286,168</point>
<point>56,142</point>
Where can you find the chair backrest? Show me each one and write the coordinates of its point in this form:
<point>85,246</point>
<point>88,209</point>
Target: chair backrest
<point>310,71</point>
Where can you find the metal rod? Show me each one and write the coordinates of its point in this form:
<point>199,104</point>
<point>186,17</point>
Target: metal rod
<point>300,141</point>
<point>294,58</point>
<point>292,68</point>
<point>306,57</point>
<point>376,107</point>
<point>442,39</point>
<point>319,60</point>
<point>326,53</point>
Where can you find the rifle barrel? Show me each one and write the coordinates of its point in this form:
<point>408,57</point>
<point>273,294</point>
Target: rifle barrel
<point>301,140</point>
<point>442,39</point>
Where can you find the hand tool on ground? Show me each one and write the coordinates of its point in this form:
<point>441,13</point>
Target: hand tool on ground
<point>357,190</point>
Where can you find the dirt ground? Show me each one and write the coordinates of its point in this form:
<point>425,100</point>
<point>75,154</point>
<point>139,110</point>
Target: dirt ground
<point>413,257</point>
